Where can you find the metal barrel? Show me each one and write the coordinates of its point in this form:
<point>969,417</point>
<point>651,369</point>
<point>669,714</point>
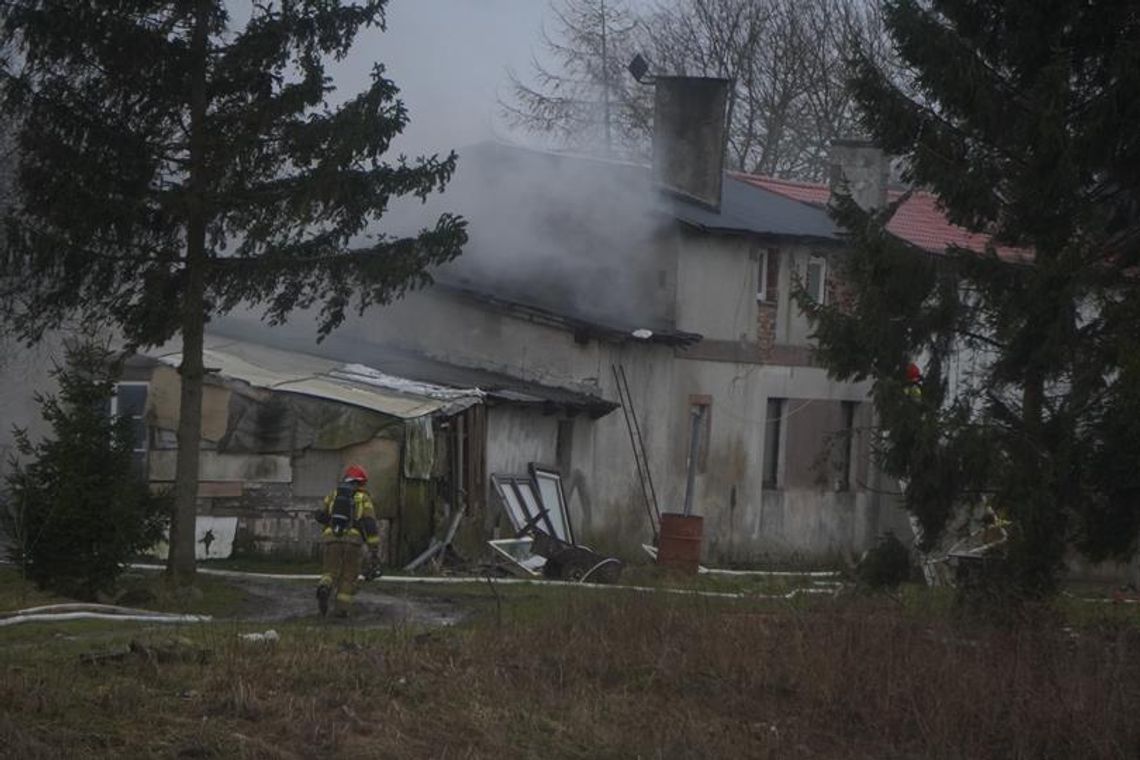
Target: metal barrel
<point>679,546</point>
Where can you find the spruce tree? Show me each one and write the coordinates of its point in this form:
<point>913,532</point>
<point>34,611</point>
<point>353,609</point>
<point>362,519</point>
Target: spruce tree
<point>177,162</point>
<point>1020,116</point>
<point>79,508</point>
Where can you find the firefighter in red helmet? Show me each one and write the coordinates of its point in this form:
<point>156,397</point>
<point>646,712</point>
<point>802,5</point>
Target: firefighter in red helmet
<point>913,381</point>
<point>349,521</point>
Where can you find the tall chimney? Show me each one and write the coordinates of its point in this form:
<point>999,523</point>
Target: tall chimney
<point>864,167</point>
<point>689,137</point>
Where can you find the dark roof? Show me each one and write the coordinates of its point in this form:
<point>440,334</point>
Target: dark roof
<point>747,208</point>
<point>499,387</point>
<point>583,327</point>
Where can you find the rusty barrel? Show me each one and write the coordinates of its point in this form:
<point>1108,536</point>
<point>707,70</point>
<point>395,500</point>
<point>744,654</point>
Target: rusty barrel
<point>679,546</point>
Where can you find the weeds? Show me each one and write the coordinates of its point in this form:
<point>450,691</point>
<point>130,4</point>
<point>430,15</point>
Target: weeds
<point>603,674</point>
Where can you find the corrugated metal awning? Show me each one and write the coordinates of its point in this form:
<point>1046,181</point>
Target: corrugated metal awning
<point>294,372</point>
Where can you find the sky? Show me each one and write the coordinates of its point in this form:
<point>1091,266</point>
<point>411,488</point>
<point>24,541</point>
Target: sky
<point>449,58</point>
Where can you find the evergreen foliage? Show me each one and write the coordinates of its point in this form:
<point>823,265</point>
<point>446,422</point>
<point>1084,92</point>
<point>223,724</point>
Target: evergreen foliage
<point>177,165</point>
<point>1020,116</point>
<point>79,509</point>
<point>886,565</point>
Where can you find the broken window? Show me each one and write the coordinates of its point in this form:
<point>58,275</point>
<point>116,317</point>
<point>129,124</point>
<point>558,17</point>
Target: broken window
<point>130,401</point>
<point>549,485</point>
<point>816,278</point>
<point>773,433</point>
<point>535,501</point>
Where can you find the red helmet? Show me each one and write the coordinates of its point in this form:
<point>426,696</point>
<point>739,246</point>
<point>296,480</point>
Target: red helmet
<point>913,373</point>
<point>356,472</point>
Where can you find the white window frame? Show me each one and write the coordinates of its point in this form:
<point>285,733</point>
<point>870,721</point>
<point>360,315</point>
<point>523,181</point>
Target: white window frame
<point>762,280</point>
<point>820,297</point>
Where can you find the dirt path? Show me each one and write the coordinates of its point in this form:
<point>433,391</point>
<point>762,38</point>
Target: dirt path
<point>273,600</point>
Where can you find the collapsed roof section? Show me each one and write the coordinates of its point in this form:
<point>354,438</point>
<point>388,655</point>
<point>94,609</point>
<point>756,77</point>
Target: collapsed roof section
<point>292,372</point>
<point>398,383</point>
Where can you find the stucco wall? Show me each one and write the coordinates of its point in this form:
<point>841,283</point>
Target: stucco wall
<point>717,281</point>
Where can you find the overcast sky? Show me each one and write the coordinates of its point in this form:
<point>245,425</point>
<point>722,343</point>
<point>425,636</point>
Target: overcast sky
<point>449,59</point>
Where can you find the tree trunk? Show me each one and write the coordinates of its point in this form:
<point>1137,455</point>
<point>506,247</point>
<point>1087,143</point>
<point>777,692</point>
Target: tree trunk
<point>180,566</point>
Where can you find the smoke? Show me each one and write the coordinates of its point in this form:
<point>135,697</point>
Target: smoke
<point>581,236</point>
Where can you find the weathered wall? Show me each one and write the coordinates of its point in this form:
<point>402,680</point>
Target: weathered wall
<point>717,281</point>
<point>804,520</point>
<point>24,372</point>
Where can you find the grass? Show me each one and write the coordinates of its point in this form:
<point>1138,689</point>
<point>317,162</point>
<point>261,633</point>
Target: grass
<point>559,673</point>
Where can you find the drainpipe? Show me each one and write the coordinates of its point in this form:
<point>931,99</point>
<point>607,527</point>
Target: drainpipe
<point>698,414</point>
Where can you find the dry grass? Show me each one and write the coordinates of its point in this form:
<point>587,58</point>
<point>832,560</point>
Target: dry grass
<point>599,676</point>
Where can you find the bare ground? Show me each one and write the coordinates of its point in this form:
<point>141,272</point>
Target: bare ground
<point>274,600</point>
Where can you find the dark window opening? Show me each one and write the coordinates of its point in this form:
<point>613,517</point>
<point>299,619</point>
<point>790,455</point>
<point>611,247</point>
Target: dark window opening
<point>130,401</point>
<point>773,430</point>
<point>846,444</point>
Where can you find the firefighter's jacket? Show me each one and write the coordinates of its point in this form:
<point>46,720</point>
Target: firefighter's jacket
<point>364,525</point>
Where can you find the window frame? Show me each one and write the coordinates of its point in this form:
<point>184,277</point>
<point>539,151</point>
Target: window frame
<point>766,290</point>
<point>820,261</point>
<point>143,451</point>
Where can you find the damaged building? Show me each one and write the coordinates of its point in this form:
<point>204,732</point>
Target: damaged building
<point>590,290</point>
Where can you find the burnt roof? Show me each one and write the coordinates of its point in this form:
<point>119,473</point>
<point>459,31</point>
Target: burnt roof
<point>499,387</point>
<point>582,326</point>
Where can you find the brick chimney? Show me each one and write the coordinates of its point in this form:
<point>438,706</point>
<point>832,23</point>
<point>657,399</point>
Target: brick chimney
<point>865,169</point>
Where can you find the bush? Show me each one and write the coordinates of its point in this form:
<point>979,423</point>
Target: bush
<point>78,509</point>
<point>886,565</point>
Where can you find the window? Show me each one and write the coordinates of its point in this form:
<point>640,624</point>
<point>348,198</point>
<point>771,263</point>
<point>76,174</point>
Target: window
<point>130,401</point>
<point>701,406</point>
<point>773,433</point>
<point>564,446</point>
<point>767,273</point>
<point>816,278</point>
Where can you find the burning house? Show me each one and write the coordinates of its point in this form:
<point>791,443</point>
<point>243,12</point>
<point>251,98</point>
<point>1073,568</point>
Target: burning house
<point>589,290</point>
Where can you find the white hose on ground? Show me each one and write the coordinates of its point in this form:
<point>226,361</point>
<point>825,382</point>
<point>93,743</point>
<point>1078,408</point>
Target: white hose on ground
<point>68,616</point>
<point>510,582</point>
<point>83,607</point>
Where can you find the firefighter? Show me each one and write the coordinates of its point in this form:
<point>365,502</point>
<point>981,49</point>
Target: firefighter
<point>349,520</point>
<point>913,381</point>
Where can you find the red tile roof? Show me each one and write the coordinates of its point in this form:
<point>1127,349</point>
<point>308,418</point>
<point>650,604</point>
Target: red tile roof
<point>919,221</point>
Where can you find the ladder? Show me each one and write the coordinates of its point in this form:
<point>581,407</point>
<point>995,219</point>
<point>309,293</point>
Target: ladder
<point>644,476</point>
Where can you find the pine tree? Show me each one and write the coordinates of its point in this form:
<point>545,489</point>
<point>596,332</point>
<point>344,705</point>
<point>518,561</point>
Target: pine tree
<point>1022,121</point>
<point>175,164</point>
<point>79,509</point>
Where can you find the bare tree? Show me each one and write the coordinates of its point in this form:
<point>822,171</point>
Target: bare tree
<point>721,38</point>
<point>787,62</point>
<point>786,59</point>
<point>580,93</point>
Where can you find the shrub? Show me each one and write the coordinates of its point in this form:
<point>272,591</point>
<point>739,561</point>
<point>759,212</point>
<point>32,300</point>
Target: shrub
<point>886,565</point>
<point>78,509</point>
